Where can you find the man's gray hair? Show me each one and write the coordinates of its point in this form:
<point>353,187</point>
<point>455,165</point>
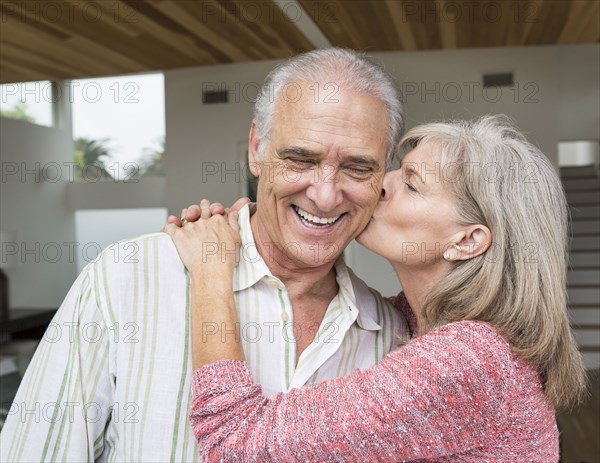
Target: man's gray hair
<point>344,68</point>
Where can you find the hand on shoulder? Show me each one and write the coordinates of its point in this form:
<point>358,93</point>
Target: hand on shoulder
<point>210,243</point>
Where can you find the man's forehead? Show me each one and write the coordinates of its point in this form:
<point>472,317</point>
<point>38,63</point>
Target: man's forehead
<point>328,92</point>
<point>352,115</point>
<point>348,126</point>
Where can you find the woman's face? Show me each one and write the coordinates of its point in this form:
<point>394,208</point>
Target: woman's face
<point>415,219</point>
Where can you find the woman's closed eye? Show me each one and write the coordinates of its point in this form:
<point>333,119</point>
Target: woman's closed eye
<point>410,187</point>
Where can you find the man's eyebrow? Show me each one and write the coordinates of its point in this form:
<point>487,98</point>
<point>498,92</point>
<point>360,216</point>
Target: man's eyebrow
<point>365,160</point>
<point>297,150</point>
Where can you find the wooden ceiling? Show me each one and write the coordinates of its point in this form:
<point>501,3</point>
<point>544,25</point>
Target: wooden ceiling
<point>56,40</point>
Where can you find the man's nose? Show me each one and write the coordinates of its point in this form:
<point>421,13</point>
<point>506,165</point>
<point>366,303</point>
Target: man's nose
<point>325,191</point>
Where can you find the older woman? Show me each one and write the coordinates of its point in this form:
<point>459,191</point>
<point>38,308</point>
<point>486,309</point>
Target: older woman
<point>475,225</point>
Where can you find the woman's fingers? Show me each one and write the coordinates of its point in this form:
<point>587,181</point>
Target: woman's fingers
<point>232,218</point>
<point>233,221</point>
<point>217,209</point>
<point>238,204</point>
<point>191,213</point>
<point>205,209</point>
<point>170,228</point>
<point>173,220</point>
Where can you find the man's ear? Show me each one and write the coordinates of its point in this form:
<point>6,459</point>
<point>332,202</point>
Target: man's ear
<point>470,242</point>
<point>254,161</point>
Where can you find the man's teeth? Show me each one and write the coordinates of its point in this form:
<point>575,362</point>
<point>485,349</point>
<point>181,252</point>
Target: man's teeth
<point>310,219</point>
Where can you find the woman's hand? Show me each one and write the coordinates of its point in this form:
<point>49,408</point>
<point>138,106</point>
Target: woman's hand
<point>195,211</point>
<point>211,243</point>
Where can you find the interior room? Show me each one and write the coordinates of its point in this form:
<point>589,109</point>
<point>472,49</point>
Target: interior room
<point>119,83</point>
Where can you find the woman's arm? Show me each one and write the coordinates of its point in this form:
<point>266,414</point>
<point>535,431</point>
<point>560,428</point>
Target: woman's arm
<point>209,248</point>
<point>438,395</point>
<point>213,316</point>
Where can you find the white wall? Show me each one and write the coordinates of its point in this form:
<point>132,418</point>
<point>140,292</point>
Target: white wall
<point>578,71</point>
<point>112,194</point>
<point>448,84</point>
<point>204,138</point>
<point>36,208</point>
<point>555,96</point>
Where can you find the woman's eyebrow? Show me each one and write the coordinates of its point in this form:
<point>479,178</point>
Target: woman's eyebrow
<point>409,168</point>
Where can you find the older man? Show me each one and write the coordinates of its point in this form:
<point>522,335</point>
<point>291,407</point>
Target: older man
<point>325,125</point>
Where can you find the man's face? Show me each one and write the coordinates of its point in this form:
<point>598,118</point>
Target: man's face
<point>321,174</point>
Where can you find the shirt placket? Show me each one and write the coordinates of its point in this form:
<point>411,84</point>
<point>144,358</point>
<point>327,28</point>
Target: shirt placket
<point>286,324</point>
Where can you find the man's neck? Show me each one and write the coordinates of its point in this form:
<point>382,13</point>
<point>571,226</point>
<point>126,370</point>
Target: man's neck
<point>310,288</point>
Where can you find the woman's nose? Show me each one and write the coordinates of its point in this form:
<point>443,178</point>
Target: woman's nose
<point>388,185</point>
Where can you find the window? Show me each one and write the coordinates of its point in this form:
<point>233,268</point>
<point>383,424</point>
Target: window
<point>119,126</point>
<point>28,101</point>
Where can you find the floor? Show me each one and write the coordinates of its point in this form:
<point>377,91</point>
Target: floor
<point>580,428</point>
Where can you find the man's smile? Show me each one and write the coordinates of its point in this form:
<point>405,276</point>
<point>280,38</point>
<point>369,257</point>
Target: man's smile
<point>314,221</point>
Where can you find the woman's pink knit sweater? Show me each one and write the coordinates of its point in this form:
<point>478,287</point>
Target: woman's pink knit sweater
<point>456,394</point>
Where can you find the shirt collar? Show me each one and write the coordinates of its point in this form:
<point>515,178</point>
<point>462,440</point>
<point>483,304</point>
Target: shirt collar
<point>357,296</point>
<point>251,268</point>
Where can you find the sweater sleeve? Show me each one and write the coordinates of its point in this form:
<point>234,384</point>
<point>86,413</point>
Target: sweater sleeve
<point>441,394</point>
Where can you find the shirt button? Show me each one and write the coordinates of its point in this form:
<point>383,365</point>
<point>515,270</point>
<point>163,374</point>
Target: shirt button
<point>284,316</point>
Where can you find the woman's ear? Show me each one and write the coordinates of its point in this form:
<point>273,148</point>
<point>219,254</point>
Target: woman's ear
<point>254,161</point>
<point>468,243</point>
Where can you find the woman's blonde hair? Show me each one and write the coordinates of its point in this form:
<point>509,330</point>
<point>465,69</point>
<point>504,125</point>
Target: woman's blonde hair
<point>502,181</point>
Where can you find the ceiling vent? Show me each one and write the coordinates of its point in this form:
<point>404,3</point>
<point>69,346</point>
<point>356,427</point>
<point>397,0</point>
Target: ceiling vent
<point>215,96</point>
<point>498,80</point>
